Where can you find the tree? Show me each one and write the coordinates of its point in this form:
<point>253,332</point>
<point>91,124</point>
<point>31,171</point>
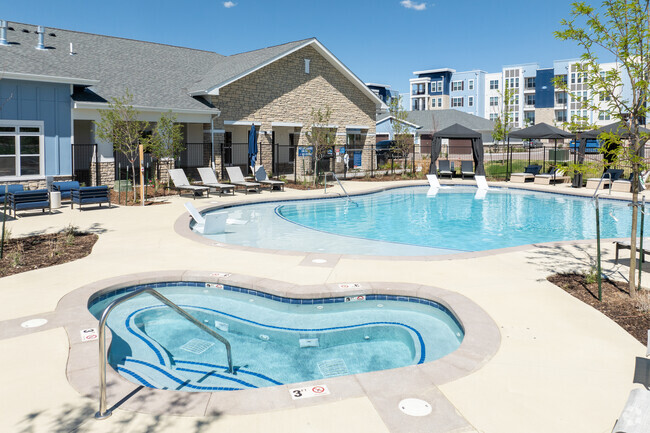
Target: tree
<point>402,137</point>
<point>320,135</point>
<point>166,140</point>
<point>503,122</point>
<point>621,29</point>
<point>120,125</point>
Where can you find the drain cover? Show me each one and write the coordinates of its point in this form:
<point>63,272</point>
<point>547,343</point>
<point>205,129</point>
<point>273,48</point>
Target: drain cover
<point>197,346</point>
<point>333,368</point>
<point>415,407</point>
<point>34,323</point>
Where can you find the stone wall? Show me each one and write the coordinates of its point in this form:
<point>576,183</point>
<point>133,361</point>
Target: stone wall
<point>106,173</point>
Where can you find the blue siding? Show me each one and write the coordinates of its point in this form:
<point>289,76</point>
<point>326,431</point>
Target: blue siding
<point>544,89</point>
<point>50,103</point>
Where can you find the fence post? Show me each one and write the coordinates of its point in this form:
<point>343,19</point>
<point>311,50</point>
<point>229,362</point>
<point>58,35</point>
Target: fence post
<point>97,170</point>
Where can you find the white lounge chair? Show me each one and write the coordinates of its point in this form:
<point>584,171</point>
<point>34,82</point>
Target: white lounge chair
<point>548,178</point>
<point>481,183</point>
<point>625,185</point>
<point>211,224</point>
<point>237,178</point>
<point>209,178</point>
<point>262,177</point>
<point>434,182</point>
<point>182,184</point>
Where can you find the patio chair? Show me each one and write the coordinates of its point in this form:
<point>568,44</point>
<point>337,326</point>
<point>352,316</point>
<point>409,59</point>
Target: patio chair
<point>209,178</point>
<point>625,185</point>
<point>212,223</point>
<point>467,169</point>
<point>237,178</point>
<point>481,183</point>
<point>182,184</point>
<point>10,189</point>
<point>444,169</point>
<point>90,195</point>
<point>528,174</point>
<point>26,200</point>
<point>65,188</point>
<point>625,245</point>
<point>263,178</point>
<point>554,176</point>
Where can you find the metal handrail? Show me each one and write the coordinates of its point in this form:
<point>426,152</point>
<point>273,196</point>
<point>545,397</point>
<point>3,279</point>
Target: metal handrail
<point>340,184</point>
<point>601,181</point>
<point>103,412</point>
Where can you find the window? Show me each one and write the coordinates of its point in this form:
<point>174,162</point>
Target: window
<point>21,145</point>
<point>457,86</point>
<point>530,83</point>
<point>440,85</point>
<point>494,84</point>
<point>529,117</point>
<point>530,99</point>
<point>470,84</point>
<point>560,98</point>
<point>573,77</point>
<point>603,115</point>
<point>494,101</point>
<point>604,96</point>
<point>457,102</point>
<point>418,104</point>
<point>433,87</point>
<point>418,89</point>
<point>439,102</point>
<point>560,116</point>
<point>494,116</point>
<point>470,101</point>
<point>307,66</point>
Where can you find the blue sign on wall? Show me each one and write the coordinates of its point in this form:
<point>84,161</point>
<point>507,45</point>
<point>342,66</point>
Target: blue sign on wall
<point>357,159</point>
<point>305,150</point>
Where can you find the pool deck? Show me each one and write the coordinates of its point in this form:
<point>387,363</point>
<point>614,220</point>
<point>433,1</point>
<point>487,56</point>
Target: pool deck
<point>560,365</point>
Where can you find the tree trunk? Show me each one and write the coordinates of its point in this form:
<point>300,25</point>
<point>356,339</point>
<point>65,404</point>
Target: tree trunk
<point>635,213</point>
<point>134,187</point>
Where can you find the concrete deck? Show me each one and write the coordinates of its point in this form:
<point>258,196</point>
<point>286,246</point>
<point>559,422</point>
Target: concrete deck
<point>560,366</point>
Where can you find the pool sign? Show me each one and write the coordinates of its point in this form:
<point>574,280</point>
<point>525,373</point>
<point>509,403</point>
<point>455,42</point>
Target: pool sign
<point>305,151</point>
<point>213,286</point>
<point>355,298</point>
<point>89,334</point>
<point>309,391</point>
<point>350,286</point>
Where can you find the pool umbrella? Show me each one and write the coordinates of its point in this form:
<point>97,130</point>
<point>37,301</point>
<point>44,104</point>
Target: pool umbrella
<point>252,147</point>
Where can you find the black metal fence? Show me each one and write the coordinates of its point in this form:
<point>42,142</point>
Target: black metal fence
<point>83,155</point>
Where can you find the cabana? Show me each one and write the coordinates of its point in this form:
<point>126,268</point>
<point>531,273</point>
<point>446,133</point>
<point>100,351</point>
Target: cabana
<point>458,131</point>
<point>542,131</point>
<point>620,129</point>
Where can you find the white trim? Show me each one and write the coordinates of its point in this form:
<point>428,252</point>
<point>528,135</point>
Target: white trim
<point>40,124</point>
<point>287,124</point>
<point>104,105</point>
<point>46,78</point>
<point>214,131</point>
<point>403,121</point>
<point>431,71</point>
<point>324,52</point>
<point>326,126</point>
<point>386,86</point>
<point>241,123</point>
<point>356,127</point>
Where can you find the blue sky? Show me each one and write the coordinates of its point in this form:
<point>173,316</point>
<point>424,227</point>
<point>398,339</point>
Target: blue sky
<point>381,41</point>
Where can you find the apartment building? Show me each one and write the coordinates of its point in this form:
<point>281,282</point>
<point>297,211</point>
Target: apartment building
<point>532,95</point>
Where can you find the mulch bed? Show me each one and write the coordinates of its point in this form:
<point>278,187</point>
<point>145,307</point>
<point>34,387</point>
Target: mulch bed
<point>631,314</point>
<point>152,197</point>
<point>41,251</point>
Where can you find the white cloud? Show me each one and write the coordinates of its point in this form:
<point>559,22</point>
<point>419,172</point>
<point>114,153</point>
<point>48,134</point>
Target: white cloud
<point>408,4</point>
<point>229,4</point>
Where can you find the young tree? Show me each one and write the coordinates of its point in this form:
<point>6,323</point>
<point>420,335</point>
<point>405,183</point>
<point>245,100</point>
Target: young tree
<point>320,135</point>
<point>504,119</point>
<point>120,125</point>
<point>620,28</point>
<point>401,130</point>
<point>166,140</point>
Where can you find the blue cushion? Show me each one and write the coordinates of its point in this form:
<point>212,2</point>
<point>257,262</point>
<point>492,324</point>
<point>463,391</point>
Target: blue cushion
<point>10,189</point>
<point>65,187</point>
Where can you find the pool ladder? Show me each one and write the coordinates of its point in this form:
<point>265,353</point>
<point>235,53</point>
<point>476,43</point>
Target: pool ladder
<point>340,184</point>
<point>103,411</point>
<point>601,181</point>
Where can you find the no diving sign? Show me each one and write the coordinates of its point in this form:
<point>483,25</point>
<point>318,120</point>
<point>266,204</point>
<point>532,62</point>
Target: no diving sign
<point>89,334</point>
<point>313,391</point>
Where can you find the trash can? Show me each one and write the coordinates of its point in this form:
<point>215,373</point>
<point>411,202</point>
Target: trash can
<point>577,180</point>
<point>55,199</point>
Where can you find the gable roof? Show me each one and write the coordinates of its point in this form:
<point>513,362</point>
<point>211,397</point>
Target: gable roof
<point>541,130</point>
<point>386,117</point>
<point>457,131</point>
<point>157,75</point>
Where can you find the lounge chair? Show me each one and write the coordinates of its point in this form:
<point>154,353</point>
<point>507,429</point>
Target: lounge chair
<point>481,183</point>
<point>625,245</point>
<point>263,178</point>
<point>527,176</point>
<point>65,188</point>
<point>553,176</point>
<point>90,195</point>
<point>444,169</point>
<point>606,180</point>
<point>237,178</point>
<point>209,178</point>
<point>625,185</point>
<point>9,189</point>
<point>26,200</point>
<point>212,223</point>
<point>466,169</point>
<point>182,184</point>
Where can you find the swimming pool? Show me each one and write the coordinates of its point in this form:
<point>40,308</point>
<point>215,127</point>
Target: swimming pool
<point>274,340</point>
<point>409,222</point>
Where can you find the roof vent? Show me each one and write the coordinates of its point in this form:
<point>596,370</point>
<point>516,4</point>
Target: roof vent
<point>3,33</point>
<point>41,38</point>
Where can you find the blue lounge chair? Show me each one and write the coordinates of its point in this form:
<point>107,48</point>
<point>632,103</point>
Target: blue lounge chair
<point>65,188</point>
<point>466,169</point>
<point>10,189</point>
<point>26,200</point>
<point>444,169</point>
<point>90,195</point>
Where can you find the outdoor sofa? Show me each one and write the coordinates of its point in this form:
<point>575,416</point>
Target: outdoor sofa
<point>90,195</point>
<point>27,200</point>
<point>9,189</point>
<point>606,180</point>
<point>65,188</point>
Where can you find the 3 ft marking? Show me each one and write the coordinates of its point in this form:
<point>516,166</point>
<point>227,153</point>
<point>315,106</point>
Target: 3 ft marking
<point>89,334</point>
<point>350,286</point>
<point>355,298</point>
<point>220,274</point>
<point>307,392</point>
<point>214,285</point>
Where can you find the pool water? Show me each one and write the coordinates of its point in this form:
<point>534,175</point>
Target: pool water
<point>410,222</point>
<point>274,340</point>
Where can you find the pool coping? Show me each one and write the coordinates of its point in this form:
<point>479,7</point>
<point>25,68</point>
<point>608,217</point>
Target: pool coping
<point>481,342</point>
<point>182,227</point>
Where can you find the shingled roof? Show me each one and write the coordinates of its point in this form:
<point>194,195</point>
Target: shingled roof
<point>159,76</point>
